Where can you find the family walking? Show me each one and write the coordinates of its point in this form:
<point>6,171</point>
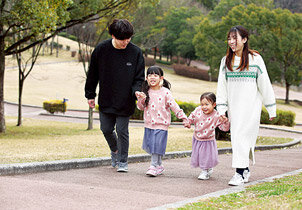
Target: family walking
<point>117,67</point>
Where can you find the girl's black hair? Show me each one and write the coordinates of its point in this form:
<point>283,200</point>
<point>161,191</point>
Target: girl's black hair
<point>209,96</point>
<point>145,87</point>
<point>121,28</point>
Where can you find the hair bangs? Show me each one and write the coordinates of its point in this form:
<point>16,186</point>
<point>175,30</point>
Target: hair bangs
<point>154,70</point>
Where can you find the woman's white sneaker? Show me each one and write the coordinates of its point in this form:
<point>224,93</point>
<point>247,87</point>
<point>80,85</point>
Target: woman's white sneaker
<point>246,175</point>
<point>236,180</point>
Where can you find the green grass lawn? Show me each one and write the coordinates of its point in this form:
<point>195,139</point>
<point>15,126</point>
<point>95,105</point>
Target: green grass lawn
<point>39,140</point>
<point>284,193</point>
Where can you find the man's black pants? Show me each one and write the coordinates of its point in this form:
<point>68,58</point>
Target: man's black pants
<point>116,131</point>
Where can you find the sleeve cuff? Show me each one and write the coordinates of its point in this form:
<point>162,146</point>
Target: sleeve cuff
<point>271,109</point>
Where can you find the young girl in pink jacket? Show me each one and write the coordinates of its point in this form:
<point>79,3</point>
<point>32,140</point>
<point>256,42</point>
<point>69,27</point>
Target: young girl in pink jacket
<point>204,147</point>
<point>156,101</point>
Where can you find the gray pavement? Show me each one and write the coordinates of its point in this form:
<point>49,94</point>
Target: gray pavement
<point>104,188</point>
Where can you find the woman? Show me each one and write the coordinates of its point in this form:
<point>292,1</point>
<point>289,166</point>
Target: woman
<point>243,85</point>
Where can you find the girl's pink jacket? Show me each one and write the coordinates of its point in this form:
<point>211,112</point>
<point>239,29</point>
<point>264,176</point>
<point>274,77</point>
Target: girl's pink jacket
<point>205,124</point>
<point>157,114</point>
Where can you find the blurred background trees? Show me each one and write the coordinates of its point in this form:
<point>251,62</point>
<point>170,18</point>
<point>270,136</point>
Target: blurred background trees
<point>177,30</point>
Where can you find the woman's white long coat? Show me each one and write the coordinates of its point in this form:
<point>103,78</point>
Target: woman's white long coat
<point>242,94</point>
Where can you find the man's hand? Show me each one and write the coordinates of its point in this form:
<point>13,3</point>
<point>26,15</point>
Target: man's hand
<point>91,103</point>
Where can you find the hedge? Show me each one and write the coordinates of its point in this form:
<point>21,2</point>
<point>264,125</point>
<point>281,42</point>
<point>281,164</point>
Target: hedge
<point>179,60</point>
<point>69,36</point>
<point>53,106</point>
<point>192,72</point>
<point>163,62</point>
<point>286,118</point>
<point>283,118</point>
<point>149,61</point>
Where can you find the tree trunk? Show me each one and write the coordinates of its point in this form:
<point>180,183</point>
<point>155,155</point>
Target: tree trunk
<point>155,51</point>
<point>21,83</point>
<point>188,60</point>
<point>287,93</point>
<point>43,51</point>
<point>51,45</point>
<point>57,48</point>
<point>2,69</point>
<point>90,119</point>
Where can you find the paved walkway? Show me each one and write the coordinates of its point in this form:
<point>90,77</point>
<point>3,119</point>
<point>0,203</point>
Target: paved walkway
<point>104,188</point>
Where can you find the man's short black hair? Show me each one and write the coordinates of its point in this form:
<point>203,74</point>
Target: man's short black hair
<point>121,29</point>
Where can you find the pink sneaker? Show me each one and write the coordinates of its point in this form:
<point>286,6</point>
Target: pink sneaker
<point>160,169</point>
<point>152,171</point>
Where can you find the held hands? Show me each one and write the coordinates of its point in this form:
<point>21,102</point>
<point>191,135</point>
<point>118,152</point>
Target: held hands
<point>186,125</point>
<point>91,103</point>
<point>140,95</point>
<point>223,119</point>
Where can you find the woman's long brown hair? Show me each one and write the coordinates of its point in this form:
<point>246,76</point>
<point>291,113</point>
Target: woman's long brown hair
<point>230,56</point>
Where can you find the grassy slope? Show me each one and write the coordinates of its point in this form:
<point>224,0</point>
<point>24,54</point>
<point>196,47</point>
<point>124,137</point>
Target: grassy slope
<point>280,194</point>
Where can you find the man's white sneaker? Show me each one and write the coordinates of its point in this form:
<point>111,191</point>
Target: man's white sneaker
<point>236,180</point>
<point>204,175</point>
<point>246,176</point>
<point>122,167</point>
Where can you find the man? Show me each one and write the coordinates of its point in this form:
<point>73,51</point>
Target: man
<point>118,67</point>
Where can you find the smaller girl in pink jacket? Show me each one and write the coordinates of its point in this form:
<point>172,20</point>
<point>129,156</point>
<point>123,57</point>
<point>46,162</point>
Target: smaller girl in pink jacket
<point>204,147</point>
<point>156,101</point>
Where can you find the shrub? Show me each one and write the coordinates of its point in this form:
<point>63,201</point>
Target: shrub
<point>179,60</point>
<point>73,53</point>
<point>67,47</point>
<point>283,118</point>
<point>69,36</point>
<point>163,62</point>
<point>138,115</point>
<point>55,45</point>
<point>149,61</point>
<point>192,72</point>
<point>286,118</point>
<point>53,106</point>
<point>187,107</point>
